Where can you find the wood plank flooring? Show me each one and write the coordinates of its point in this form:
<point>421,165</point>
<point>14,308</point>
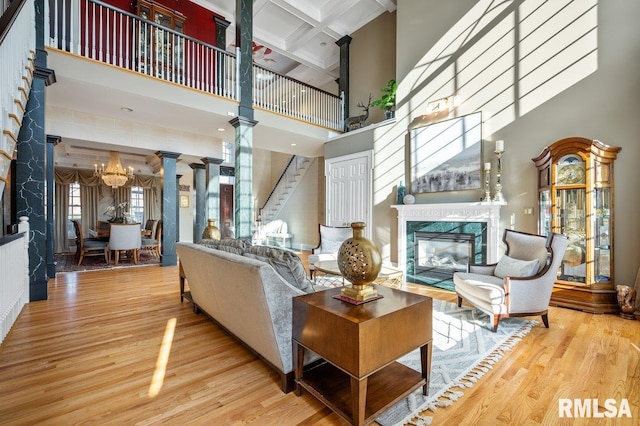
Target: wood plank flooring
<point>117,347</point>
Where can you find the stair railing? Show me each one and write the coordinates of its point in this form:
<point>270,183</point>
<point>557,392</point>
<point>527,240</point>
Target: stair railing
<point>17,47</point>
<point>283,187</point>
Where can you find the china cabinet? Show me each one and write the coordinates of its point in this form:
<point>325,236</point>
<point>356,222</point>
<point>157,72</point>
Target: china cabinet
<point>575,198</point>
<point>161,46</point>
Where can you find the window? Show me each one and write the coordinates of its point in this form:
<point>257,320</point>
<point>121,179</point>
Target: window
<point>75,210</point>
<point>136,205</point>
<point>228,154</point>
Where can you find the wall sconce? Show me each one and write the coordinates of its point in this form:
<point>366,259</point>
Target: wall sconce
<point>441,108</point>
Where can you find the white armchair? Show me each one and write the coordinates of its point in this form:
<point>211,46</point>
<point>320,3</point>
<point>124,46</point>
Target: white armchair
<point>520,284</point>
<point>124,238</point>
<point>331,238</point>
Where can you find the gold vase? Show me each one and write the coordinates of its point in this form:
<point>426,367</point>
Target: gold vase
<point>359,262</point>
<point>211,231</point>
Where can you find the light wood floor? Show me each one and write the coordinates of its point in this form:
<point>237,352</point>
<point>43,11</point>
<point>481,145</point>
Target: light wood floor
<point>95,352</point>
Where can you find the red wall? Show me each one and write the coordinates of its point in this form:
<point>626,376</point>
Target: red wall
<point>198,24</point>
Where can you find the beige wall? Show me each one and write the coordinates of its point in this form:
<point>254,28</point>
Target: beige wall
<point>301,210</point>
<point>554,90</point>
<point>373,51</point>
<point>305,207</point>
<point>262,184</point>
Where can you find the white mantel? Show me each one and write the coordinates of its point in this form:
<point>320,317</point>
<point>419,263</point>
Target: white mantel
<point>450,212</point>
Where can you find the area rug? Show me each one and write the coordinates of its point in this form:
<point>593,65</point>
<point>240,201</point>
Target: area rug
<point>67,262</point>
<point>464,349</point>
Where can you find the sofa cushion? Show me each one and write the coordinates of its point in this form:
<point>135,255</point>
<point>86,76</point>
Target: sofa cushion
<point>510,267</point>
<point>230,245</point>
<point>287,264</point>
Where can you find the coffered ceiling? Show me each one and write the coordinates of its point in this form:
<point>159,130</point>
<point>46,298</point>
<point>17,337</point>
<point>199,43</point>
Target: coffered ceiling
<point>297,37</point>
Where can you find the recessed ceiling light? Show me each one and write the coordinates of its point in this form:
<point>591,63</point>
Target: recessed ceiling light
<point>125,109</point>
<point>323,44</point>
<point>221,129</point>
<point>294,144</point>
<point>231,114</point>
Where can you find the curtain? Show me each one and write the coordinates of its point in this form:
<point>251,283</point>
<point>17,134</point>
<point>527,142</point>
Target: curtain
<point>89,204</point>
<point>150,200</point>
<point>61,214</point>
<point>122,194</point>
<point>91,192</point>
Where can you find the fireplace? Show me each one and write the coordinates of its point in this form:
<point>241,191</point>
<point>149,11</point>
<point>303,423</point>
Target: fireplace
<point>439,255</point>
<point>479,222</point>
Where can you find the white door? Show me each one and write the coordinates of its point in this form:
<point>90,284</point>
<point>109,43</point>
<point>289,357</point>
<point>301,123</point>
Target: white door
<point>348,189</point>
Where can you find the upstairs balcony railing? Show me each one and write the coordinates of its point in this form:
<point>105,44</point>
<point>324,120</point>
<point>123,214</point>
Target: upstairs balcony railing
<point>101,32</point>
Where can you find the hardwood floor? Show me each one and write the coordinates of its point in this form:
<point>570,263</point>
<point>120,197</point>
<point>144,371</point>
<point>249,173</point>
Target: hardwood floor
<point>118,347</point>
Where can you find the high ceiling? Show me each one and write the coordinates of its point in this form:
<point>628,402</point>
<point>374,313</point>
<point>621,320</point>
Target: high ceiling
<point>297,37</point>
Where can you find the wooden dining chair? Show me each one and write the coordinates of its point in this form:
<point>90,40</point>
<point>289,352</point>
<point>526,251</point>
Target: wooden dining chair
<point>150,228</point>
<point>152,245</point>
<point>88,246</point>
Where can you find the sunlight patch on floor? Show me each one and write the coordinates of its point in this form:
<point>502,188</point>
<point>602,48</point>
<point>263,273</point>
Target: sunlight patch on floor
<point>163,358</point>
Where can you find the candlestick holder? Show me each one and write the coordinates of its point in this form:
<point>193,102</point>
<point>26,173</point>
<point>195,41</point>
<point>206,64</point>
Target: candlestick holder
<point>487,185</point>
<point>498,197</point>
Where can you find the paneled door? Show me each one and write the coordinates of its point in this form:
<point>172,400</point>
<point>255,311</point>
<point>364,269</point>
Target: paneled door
<point>226,209</point>
<point>349,189</point>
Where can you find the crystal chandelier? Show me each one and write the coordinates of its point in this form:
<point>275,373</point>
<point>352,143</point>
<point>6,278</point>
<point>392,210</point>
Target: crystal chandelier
<point>114,175</point>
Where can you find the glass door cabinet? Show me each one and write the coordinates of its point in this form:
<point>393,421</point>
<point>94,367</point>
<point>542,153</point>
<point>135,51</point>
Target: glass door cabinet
<point>575,198</point>
<point>161,46</point>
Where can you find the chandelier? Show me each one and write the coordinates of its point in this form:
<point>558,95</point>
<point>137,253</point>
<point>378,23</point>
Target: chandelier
<point>114,175</point>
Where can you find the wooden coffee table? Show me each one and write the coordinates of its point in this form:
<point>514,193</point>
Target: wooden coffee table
<point>361,344</point>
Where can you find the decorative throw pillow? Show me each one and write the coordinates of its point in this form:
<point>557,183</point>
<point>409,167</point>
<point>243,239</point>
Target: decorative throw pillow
<point>510,267</point>
<point>209,243</point>
<point>230,245</point>
<point>287,264</point>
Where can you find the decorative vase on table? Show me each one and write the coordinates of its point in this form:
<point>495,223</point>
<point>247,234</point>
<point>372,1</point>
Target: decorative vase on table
<point>211,231</point>
<point>359,262</point>
<point>402,191</point>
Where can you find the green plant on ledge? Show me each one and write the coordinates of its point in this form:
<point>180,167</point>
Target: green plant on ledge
<point>387,101</point>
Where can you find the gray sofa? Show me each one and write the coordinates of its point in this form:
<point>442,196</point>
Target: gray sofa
<point>236,285</point>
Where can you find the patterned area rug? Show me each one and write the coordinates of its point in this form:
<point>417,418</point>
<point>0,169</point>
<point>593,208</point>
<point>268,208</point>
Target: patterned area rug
<point>464,349</point>
<point>67,262</point>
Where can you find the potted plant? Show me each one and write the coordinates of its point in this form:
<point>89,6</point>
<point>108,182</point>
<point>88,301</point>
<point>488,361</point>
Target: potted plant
<point>387,101</point>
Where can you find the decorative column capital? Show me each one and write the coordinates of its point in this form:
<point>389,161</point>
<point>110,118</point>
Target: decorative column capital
<point>211,160</point>
<point>168,154</point>
<point>220,21</point>
<point>54,139</point>
<point>344,40</point>
<point>242,121</point>
<point>196,166</point>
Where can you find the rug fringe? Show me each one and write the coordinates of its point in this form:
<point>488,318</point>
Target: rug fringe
<point>448,396</point>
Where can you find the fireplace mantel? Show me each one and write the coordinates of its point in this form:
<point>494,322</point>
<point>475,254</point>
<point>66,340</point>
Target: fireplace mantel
<point>450,212</point>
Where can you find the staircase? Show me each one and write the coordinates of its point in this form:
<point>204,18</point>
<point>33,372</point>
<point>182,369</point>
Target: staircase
<point>291,176</point>
<point>17,53</point>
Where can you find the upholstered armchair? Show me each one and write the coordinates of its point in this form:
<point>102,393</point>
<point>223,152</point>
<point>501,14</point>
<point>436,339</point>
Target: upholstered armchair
<point>520,284</point>
<point>331,238</point>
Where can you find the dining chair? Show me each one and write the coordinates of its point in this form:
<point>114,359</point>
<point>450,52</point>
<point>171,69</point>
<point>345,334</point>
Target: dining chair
<point>124,237</point>
<point>150,228</point>
<point>88,246</point>
<point>152,244</point>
